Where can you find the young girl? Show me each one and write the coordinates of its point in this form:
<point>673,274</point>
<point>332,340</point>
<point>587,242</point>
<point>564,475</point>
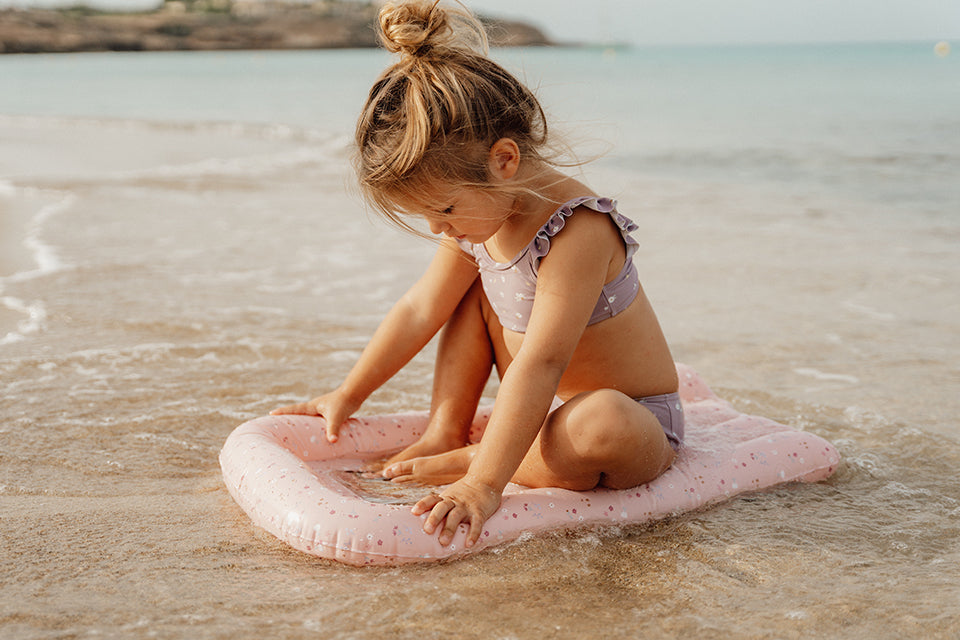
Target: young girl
<point>534,276</point>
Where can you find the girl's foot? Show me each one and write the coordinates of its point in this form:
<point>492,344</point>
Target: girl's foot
<point>442,468</point>
<point>423,447</point>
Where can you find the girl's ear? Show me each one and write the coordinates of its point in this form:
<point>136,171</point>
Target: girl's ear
<point>504,159</point>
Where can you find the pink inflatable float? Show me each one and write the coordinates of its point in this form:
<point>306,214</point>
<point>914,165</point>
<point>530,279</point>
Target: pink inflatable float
<point>308,492</point>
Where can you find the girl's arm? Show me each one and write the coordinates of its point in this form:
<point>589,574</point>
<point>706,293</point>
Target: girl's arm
<point>405,330</point>
<point>569,283</point>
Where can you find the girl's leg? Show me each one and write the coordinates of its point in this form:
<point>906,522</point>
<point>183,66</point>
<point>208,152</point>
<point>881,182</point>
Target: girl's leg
<point>465,359</point>
<point>599,438</point>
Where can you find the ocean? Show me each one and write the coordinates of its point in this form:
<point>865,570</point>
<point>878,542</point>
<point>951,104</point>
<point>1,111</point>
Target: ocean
<point>182,249</point>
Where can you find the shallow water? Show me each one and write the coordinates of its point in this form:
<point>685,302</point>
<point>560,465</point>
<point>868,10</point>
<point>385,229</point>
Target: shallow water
<point>168,274</point>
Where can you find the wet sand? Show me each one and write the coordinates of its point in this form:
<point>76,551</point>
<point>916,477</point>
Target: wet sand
<point>195,286</point>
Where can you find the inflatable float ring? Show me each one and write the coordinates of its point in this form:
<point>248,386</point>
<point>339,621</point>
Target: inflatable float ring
<point>310,493</point>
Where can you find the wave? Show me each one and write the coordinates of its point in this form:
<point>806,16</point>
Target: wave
<point>35,315</point>
<point>199,150</point>
<point>236,129</point>
<point>44,257</point>
<point>37,196</point>
<point>238,167</point>
<point>787,161</point>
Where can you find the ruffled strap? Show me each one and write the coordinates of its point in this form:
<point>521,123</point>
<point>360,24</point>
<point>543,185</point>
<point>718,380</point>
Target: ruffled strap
<point>541,242</point>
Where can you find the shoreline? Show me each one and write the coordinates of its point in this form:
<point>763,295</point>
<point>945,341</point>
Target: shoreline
<point>16,218</point>
<point>321,25</point>
<point>15,259</point>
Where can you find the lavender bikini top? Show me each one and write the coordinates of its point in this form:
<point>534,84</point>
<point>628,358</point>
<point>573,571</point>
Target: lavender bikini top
<point>510,286</point>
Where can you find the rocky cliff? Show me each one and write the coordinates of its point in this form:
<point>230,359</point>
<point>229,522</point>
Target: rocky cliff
<point>248,25</point>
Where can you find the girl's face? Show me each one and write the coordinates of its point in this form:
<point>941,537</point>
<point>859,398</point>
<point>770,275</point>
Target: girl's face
<point>470,213</point>
<point>474,215</point>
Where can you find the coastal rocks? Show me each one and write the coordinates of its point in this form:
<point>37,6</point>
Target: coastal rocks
<point>243,25</point>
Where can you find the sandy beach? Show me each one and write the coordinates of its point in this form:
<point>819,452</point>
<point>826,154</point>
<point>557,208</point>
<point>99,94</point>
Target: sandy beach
<point>194,256</point>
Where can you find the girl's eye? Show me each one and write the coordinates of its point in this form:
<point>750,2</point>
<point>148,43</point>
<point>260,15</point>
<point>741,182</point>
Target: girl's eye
<point>448,210</point>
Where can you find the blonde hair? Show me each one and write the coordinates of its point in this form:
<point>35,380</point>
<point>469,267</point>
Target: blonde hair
<point>434,115</point>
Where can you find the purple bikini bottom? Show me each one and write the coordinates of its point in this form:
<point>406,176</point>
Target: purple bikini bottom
<point>668,410</point>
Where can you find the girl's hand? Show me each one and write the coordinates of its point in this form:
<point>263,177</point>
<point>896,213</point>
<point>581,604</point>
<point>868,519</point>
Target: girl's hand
<point>464,501</point>
<point>334,407</point>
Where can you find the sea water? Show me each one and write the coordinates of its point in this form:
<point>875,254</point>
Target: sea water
<point>181,249</point>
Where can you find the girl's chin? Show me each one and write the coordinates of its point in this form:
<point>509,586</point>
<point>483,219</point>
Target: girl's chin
<point>473,238</point>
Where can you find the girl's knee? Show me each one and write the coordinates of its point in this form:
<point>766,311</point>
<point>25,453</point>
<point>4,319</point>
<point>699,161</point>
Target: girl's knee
<point>603,420</point>
<point>621,437</point>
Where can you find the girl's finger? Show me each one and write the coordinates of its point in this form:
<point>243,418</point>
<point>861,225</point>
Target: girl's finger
<point>291,408</point>
<point>455,516</point>
<point>425,504</point>
<point>303,409</point>
<point>476,528</point>
<point>401,468</point>
<point>333,431</point>
<point>437,514</point>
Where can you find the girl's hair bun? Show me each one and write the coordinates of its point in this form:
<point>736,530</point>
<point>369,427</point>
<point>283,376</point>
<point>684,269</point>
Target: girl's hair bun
<point>414,28</point>
<point>433,115</point>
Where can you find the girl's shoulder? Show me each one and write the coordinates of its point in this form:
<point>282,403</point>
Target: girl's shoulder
<point>574,215</point>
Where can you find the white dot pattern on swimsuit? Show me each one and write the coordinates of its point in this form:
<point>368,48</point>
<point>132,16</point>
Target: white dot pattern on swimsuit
<point>518,276</point>
<point>283,476</point>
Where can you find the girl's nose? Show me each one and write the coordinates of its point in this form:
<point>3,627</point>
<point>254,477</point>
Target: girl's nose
<point>437,227</point>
